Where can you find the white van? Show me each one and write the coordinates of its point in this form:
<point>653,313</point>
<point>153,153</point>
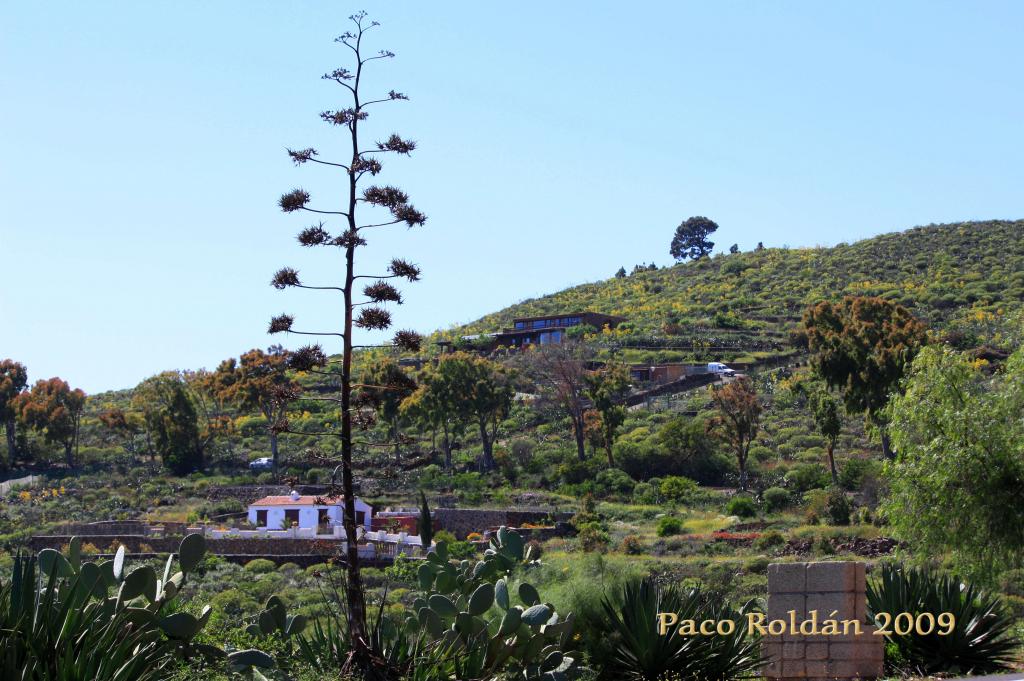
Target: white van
<point>719,368</point>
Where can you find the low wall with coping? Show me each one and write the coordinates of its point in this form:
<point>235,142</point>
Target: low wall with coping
<point>837,592</point>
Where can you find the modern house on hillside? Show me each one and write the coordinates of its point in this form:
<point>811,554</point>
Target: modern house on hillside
<point>303,511</point>
<point>551,328</point>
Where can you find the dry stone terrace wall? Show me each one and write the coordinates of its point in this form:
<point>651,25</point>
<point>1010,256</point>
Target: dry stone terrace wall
<point>836,591</point>
<point>126,527</point>
<point>257,548</point>
<point>461,521</point>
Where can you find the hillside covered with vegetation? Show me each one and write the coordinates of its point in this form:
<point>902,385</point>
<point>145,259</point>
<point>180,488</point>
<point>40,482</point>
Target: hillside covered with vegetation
<point>960,278</point>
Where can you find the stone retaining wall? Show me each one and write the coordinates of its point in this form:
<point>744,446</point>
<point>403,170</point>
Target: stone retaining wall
<point>461,521</point>
<point>257,548</point>
<point>130,527</point>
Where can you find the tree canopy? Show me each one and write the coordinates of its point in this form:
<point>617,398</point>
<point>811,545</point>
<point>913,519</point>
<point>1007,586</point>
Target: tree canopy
<point>737,419</point>
<point>463,389</point>
<point>258,381</point>
<point>861,346</point>
<point>177,428</point>
<point>55,409</point>
<point>384,385</point>
<point>13,380</point>
<point>691,238</point>
<point>956,483</point>
<point>606,387</point>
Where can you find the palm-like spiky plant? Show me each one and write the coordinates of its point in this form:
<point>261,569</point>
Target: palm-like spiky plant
<point>981,640</point>
<point>365,314</point>
<point>65,619</point>
<point>644,654</point>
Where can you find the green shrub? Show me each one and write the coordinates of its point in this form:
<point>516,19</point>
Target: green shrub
<point>444,536</point>
<point>742,506</point>
<point>403,570</point>
<point>614,483</point>
<point>807,476</point>
<point>460,550</point>
<point>260,565</point>
<point>823,546</point>
<point>837,507</point>
<point>814,502</point>
<point>592,537</point>
<point>982,640</point>
<point>776,499</point>
<point>855,471</point>
<point>234,603</point>
<point>669,526</point>
<point>645,493</point>
<point>768,540</point>
<point>678,489</point>
<point>632,545</point>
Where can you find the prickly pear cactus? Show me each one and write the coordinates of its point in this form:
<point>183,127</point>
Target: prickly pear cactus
<point>468,606</point>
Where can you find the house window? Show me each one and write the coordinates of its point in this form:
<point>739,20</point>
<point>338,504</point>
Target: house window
<point>291,517</point>
<point>261,518</point>
<point>520,325</point>
<point>360,517</point>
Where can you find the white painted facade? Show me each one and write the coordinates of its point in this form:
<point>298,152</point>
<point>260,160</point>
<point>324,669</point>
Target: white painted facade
<point>275,510</point>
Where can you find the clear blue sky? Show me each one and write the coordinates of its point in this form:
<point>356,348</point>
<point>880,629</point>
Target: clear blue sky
<point>143,152</point>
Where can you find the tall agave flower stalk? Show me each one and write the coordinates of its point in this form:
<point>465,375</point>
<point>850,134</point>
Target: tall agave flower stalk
<point>365,208</point>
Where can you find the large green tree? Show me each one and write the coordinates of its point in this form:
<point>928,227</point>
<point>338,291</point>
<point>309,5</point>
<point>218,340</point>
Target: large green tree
<point>606,387</point>
<point>957,482</point>
<point>435,405</point>
<point>488,393</point>
<point>829,420</point>
<point>128,427</point>
<point>173,422</point>
<point>861,346</point>
<point>258,381</point>
<point>463,389</point>
<point>13,380</point>
<point>54,409</point>
<point>384,385</point>
<point>691,238</point>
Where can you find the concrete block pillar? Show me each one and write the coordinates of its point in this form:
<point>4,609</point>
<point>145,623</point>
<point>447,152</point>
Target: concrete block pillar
<point>836,591</point>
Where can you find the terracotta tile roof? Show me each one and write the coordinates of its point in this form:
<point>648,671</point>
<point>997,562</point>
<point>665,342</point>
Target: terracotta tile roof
<point>304,500</point>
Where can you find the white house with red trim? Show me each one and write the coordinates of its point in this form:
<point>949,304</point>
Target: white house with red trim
<point>304,512</point>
